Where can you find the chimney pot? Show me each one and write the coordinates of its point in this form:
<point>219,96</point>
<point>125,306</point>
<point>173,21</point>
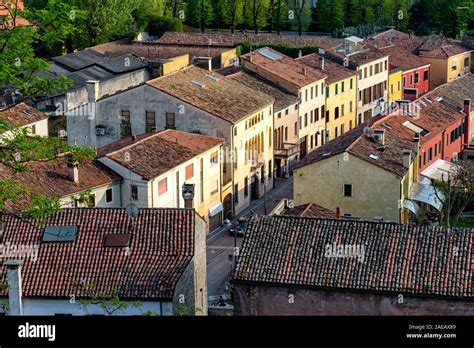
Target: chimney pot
<point>379,136</point>
<point>321,63</point>
<point>73,171</point>
<point>300,53</point>
<point>15,305</point>
<point>406,158</point>
<point>338,213</point>
<point>304,71</point>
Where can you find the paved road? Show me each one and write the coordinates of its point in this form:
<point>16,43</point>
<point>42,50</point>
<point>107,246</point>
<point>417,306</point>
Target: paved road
<point>220,244</point>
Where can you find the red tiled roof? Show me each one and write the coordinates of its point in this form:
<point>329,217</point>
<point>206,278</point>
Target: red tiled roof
<point>231,40</point>
<point>407,259</point>
<point>287,68</point>
<point>282,98</point>
<point>162,245</point>
<point>153,154</point>
<point>20,115</point>
<point>401,57</point>
<point>434,116</point>
<point>222,96</point>
<point>335,72</point>
<point>50,178</point>
<point>310,210</point>
<point>458,90</point>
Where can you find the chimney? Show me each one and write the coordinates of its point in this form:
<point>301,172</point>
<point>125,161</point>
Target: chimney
<point>467,122</point>
<point>406,158</point>
<point>416,145</point>
<point>92,87</point>
<point>251,59</point>
<point>15,306</point>
<point>338,213</point>
<point>379,136</point>
<point>209,64</point>
<point>321,63</point>
<point>134,138</point>
<point>73,171</point>
<point>304,71</point>
<point>188,195</point>
<point>300,53</point>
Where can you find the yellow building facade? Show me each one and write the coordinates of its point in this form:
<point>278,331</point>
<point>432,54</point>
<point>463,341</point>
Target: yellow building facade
<point>445,70</point>
<point>395,87</point>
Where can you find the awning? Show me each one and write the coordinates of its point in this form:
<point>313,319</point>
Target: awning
<point>422,191</point>
<point>216,209</point>
<point>439,170</point>
<point>412,206</point>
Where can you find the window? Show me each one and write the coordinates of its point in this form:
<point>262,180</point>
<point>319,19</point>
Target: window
<point>371,71</point>
<point>365,73</point>
<point>316,115</point>
<point>306,95</point>
<point>360,74</point>
<point>150,121</point>
<point>424,158</point>
<point>336,113</point>
<point>312,117</point>
<point>134,189</point>
<point>466,62</point>
<point>436,150</point>
<point>411,79</point>
<point>342,129</point>
<point>391,88</point>
<point>425,75</point>
<point>312,92</point>
<point>430,154</point>
<point>296,128</point>
<point>236,193</point>
<point>312,141</point>
<point>246,187</point>
<point>306,119</point>
<point>279,115</point>
<point>301,122</point>
<point>327,92</point>
<point>404,81</point>
<point>270,169</point>
<point>109,198</point>
<point>162,186</point>
<point>33,129</point>
<point>126,126</point>
<point>189,172</point>
<point>286,112</point>
<point>399,85</point>
<point>286,133</point>
<point>214,188</point>
<point>347,190</point>
<point>170,120</point>
<point>454,65</point>
<point>350,124</point>
<point>351,84</point>
<point>377,68</point>
<point>360,95</point>
<point>417,77</point>
<point>337,89</point>
<point>342,110</point>
<point>214,158</point>
<point>335,132</point>
<point>316,139</point>
<point>386,65</point>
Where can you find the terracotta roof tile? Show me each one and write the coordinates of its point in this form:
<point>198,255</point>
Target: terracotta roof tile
<point>153,154</point>
<point>335,72</point>
<point>50,178</point>
<point>401,57</point>
<point>162,245</point>
<point>282,98</point>
<point>408,259</point>
<point>221,96</point>
<point>20,115</point>
<point>310,210</point>
<point>287,68</point>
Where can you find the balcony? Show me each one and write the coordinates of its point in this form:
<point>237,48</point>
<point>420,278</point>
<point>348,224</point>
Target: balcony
<point>287,151</point>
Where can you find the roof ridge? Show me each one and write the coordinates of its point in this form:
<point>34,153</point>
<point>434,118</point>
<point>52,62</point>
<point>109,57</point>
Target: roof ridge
<point>133,143</point>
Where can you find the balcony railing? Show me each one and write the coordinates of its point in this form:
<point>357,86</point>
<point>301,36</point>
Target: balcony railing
<point>287,151</point>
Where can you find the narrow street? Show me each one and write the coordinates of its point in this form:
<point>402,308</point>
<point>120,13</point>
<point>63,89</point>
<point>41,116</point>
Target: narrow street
<point>220,244</point>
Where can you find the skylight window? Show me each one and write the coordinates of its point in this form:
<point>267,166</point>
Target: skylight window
<point>326,154</point>
<point>117,240</point>
<point>386,125</point>
<point>213,78</point>
<point>269,54</point>
<point>54,234</point>
<point>410,125</point>
<point>374,157</point>
<point>199,84</point>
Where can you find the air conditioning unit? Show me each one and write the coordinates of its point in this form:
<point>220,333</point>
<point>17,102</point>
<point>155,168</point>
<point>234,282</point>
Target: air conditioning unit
<point>100,130</point>
<point>290,203</point>
<point>62,133</point>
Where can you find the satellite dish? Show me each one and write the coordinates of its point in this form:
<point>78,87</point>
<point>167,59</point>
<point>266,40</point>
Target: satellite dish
<point>132,210</point>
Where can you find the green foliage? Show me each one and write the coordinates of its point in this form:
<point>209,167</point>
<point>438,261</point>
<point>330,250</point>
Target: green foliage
<point>158,25</point>
<point>182,310</point>
<point>301,15</point>
<point>40,208</point>
<point>199,13</point>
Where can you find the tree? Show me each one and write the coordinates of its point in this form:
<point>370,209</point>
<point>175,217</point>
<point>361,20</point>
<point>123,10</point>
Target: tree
<point>105,20</point>
<point>199,13</point>
<point>158,25</point>
<point>301,14</point>
<point>221,13</point>
<point>457,189</point>
<point>234,9</point>
<point>258,9</point>
<point>19,70</point>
